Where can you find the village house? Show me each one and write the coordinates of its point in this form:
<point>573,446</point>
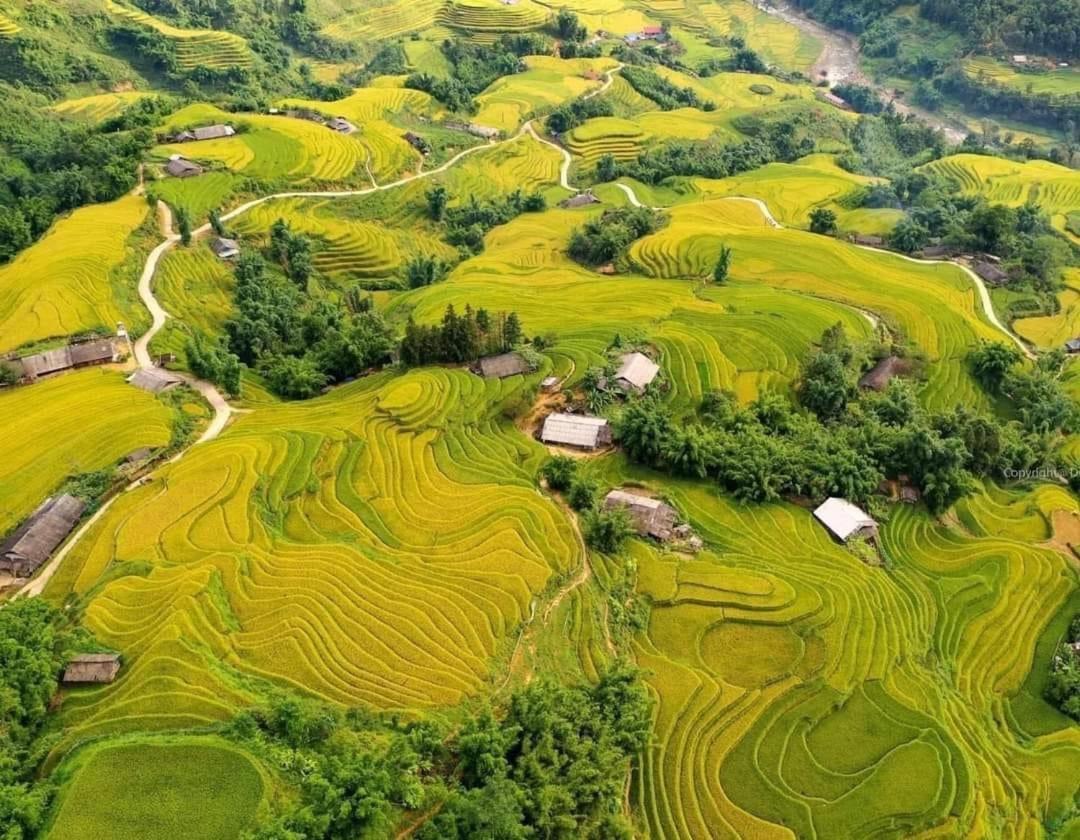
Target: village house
<point>154,380</point>
<point>100,351</point>
<point>487,132</point>
<point>342,125</point>
<point>502,366</point>
<point>990,273</point>
<point>651,517</point>
<point>180,167</point>
<point>92,668</point>
<point>576,430</point>
<point>937,252</point>
<point>1072,345</point>
<point>651,32</point>
<point>582,199</point>
<point>226,249</point>
<point>417,142</point>
<point>879,376</point>
<point>39,536</point>
<point>550,384</point>
<point>844,520</point>
<point>45,363</point>
<point>212,132</point>
<point>636,372</point>
<point>868,240</point>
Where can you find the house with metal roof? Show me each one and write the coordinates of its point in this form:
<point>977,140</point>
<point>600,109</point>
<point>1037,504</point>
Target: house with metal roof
<point>990,273</point>
<point>502,365</point>
<point>651,517</point>
<point>582,199</point>
<point>180,167</point>
<point>92,668</point>
<point>213,132</point>
<point>636,372</point>
<point>341,125</point>
<point>844,520</point>
<point>226,249</point>
<point>576,430</point>
<point>100,351</point>
<point>1072,345</point>
<point>154,380</point>
<point>40,535</point>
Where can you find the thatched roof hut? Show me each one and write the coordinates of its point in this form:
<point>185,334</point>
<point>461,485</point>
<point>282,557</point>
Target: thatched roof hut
<point>651,517</point>
<point>92,668</point>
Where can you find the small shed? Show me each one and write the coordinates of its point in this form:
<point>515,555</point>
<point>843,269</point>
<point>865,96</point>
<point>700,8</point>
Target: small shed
<point>990,273</point>
<point>844,520</point>
<point>487,132</point>
<point>180,167</point>
<point>577,430</point>
<point>39,536</point>
<point>582,199</point>
<point>226,249</point>
<point>101,351</point>
<point>503,365</point>
<point>92,668</point>
<point>342,125</point>
<point>1072,345</point>
<point>652,517</point>
<point>636,372</point>
<point>549,384</point>
<point>154,380</point>
<point>213,132</point>
<point>879,376</point>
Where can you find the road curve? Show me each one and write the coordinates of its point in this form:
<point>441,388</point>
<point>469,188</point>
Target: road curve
<point>980,286</point>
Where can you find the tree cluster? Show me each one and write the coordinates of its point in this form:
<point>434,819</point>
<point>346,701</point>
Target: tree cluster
<point>1063,683</point>
<point>573,36</point>
<point>574,113</point>
<point>468,223</point>
<point>860,97</point>
<point>841,443</point>
<point>607,239</point>
<point>667,95</point>
<point>460,338</point>
<point>299,344</point>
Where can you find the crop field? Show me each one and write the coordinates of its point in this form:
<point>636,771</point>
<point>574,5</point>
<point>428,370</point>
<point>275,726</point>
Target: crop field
<point>546,84</point>
<point>1054,330</point>
<point>743,336</point>
<point>620,138</point>
<point>90,419</point>
<point>68,281</point>
<point>799,690</point>
<point>194,47</point>
<point>778,42</point>
<point>1054,188</point>
<point>325,545</point>
<point>381,20</point>
<point>901,291</point>
<point>791,190</point>
<point>195,788</point>
<point>1062,81</point>
<point>195,287</point>
<point>487,19</point>
<point>8,27</point>
<point>100,106</point>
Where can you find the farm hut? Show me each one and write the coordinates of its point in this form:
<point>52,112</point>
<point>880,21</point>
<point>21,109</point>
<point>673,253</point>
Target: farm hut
<point>154,380</point>
<point>503,365</point>
<point>226,249</point>
<point>1072,345</point>
<point>138,456</point>
<point>576,430</point>
<point>92,668</point>
<point>879,376</point>
<point>342,125</point>
<point>38,537</point>
<point>50,361</point>
<point>417,142</point>
<point>180,167</point>
<point>909,495</point>
<point>101,351</point>
<point>485,131</point>
<point>832,99</point>
<point>651,32</point>
<point>636,372</point>
<point>990,273</point>
<point>937,252</point>
<point>844,520</point>
<point>1020,59</point>
<point>868,241</point>
<point>549,384</point>
<point>582,199</point>
<point>652,517</point>
<point>213,132</point>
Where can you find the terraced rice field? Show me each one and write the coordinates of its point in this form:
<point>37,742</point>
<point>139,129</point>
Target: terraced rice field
<point>68,424</point>
<point>381,20</point>
<point>747,337</point>
<point>1062,81</point>
<point>487,19</point>
<point>373,546</point>
<point>99,107</point>
<point>777,41</point>
<point>180,789</point>
<point>70,280</point>
<point>801,691</point>
<point>8,27</point>
<point>194,47</point>
<point>195,287</point>
<point>546,84</point>
<point>791,190</point>
<point>1054,188</point>
<point>1054,330</point>
<point>622,139</point>
<point>935,306</point>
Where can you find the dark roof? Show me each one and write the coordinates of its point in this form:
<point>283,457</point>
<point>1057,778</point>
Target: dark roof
<point>868,239</point>
<point>38,537</point>
<point>213,132</point>
<point>50,361</point>
<point>503,365</point>
<point>154,380</point>
<point>225,247</point>
<point>582,199</point>
<point>652,517</point>
<point>990,272</point>
<point>877,378</point>
<point>136,456</point>
<point>92,668</point>
<point>181,168</point>
<point>934,251</point>
<point>92,352</point>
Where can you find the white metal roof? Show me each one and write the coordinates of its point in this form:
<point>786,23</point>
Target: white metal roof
<point>621,497</point>
<point>842,517</point>
<point>637,369</point>
<point>572,429</point>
